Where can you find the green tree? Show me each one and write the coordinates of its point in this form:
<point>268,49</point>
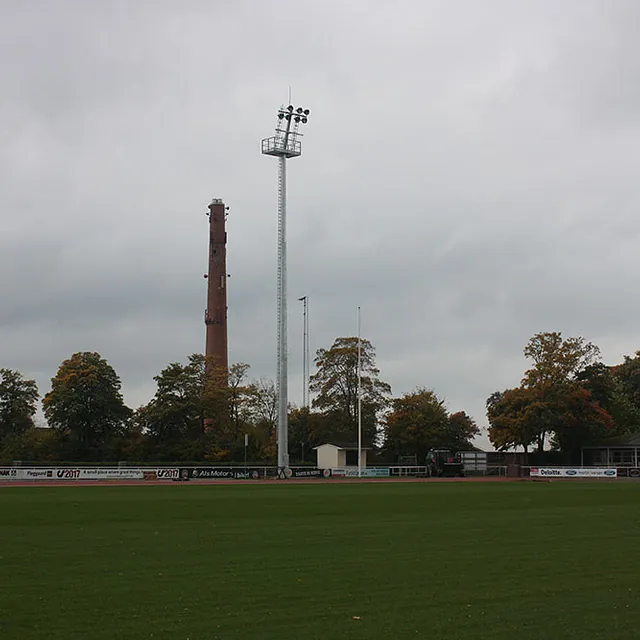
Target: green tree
<point>237,398</point>
<point>260,412</point>
<point>187,398</point>
<point>85,403</point>
<point>513,417</point>
<point>18,403</point>
<point>556,364</point>
<point>261,402</point>
<point>613,395</point>
<point>419,421</point>
<point>335,384</point>
<point>309,429</point>
<point>628,373</point>
<point>299,434</point>
<point>567,396</point>
<point>176,411</point>
<point>461,431</point>
<point>32,445</point>
<point>580,421</point>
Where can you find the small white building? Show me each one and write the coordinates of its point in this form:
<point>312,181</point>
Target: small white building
<point>334,456</point>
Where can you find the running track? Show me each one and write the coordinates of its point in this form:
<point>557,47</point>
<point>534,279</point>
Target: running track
<point>156,483</point>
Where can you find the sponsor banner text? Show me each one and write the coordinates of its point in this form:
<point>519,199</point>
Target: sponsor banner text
<point>72,474</point>
<point>223,474</point>
<point>307,473</point>
<point>551,472</point>
<point>373,472</point>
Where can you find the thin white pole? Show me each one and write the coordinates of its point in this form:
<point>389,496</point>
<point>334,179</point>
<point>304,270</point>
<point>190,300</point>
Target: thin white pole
<point>307,353</point>
<point>359,399</point>
<point>304,352</point>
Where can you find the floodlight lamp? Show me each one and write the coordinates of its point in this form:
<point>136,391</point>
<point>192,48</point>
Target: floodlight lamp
<point>304,121</point>
<point>280,116</point>
<point>299,110</point>
<point>297,118</point>
<point>306,112</point>
<point>288,116</point>
<point>290,107</point>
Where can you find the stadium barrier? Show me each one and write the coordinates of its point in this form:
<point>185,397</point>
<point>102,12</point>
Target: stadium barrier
<point>252,473</point>
<point>365,472</point>
<point>155,473</point>
<point>628,472</point>
<point>498,470</point>
<point>415,471</point>
<point>490,470</point>
<point>184,473</point>
<point>187,473</point>
<point>65,473</point>
<point>572,472</point>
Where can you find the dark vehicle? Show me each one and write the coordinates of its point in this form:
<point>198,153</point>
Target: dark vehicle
<point>442,463</point>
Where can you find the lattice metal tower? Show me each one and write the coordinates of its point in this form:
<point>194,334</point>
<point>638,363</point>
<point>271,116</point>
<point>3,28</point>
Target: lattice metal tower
<point>283,145</point>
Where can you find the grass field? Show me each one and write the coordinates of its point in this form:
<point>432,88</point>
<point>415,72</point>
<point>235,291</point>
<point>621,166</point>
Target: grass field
<point>512,560</point>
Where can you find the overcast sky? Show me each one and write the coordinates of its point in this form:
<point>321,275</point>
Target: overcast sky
<point>469,177</point>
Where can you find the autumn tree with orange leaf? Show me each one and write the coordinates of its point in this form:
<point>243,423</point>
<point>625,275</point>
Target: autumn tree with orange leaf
<point>551,403</point>
<point>419,421</point>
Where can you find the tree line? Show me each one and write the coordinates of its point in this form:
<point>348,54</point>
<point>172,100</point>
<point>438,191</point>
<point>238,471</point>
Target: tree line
<point>567,399</point>
<point>89,421</point>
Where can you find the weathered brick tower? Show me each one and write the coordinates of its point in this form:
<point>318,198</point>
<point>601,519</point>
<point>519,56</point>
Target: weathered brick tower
<point>215,317</point>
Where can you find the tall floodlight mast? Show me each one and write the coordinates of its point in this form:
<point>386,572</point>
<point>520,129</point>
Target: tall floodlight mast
<point>283,145</point>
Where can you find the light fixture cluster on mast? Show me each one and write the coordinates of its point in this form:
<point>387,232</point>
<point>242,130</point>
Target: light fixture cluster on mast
<point>285,143</point>
<point>300,114</point>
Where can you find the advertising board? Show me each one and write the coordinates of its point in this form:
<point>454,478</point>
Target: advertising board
<point>167,474</point>
<point>551,472</point>
<point>308,473</point>
<point>36,474</point>
<point>111,474</point>
<point>211,473</point>
<point>370,472</point>
<point>96,473</point>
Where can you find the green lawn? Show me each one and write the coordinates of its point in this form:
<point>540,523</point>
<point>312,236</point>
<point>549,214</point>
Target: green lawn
<point>458,561</point>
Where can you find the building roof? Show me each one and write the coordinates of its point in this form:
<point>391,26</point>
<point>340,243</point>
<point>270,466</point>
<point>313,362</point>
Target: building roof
<point>342,446</point>
<point>628,441</point>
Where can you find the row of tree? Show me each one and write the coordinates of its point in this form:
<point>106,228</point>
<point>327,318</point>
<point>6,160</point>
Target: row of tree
<point>567,399</point>
<point>89,421</point>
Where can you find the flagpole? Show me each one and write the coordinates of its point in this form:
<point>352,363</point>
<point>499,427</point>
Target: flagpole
<point>359,399</point>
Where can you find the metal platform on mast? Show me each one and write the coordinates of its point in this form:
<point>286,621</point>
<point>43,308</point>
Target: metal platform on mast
<point>275,146</point>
